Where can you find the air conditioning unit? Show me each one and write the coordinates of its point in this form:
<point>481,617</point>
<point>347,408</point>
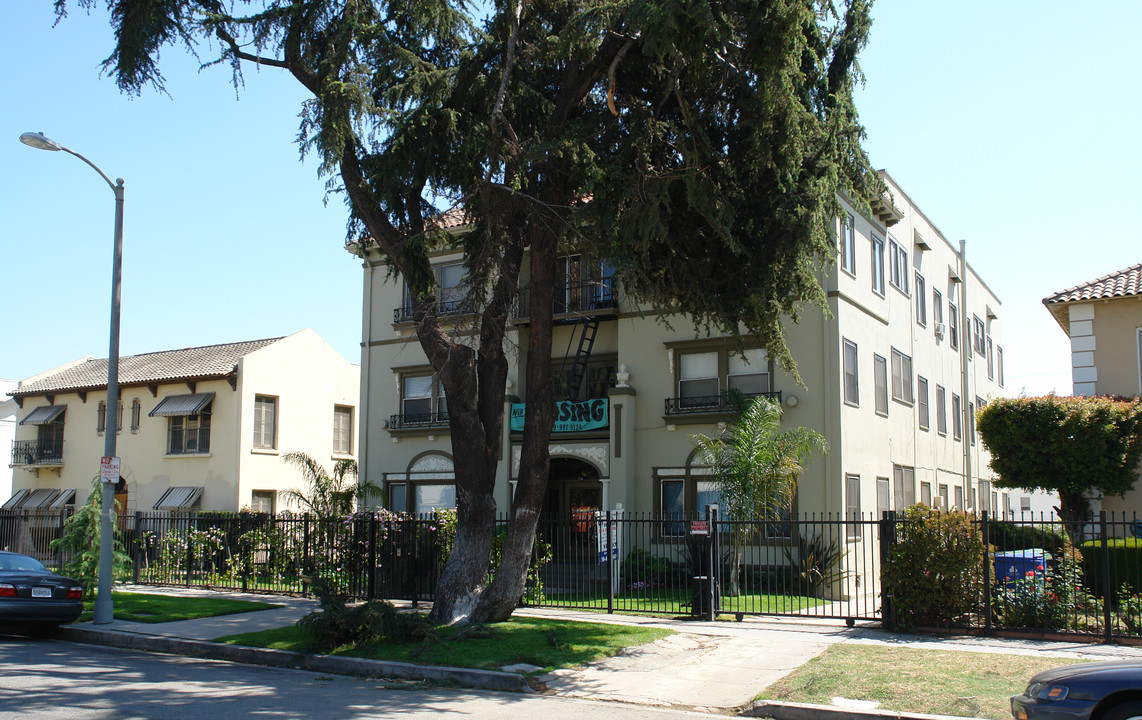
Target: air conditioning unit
<point>941,328</point>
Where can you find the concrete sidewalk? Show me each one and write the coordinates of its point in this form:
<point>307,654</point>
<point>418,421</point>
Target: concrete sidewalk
<point>709,666</point>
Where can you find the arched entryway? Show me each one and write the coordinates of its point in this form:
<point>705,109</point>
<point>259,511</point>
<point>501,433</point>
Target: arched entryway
<point>574,494</point>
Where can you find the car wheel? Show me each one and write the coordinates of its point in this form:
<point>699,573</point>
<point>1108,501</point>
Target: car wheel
<point>43,631</point>
<point>1124,711</point>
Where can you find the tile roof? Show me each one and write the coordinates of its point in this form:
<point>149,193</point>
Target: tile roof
<point>166,366</point>
<point>1123,283</point>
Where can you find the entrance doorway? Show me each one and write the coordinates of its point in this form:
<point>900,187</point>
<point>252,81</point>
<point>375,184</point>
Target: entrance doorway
<point>574,494</point>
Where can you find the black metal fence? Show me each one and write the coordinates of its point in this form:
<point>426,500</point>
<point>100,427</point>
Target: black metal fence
<point>1032,578</point>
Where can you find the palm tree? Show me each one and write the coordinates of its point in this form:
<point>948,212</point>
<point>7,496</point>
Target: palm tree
<point>327,496</point>
<point>756,467</point>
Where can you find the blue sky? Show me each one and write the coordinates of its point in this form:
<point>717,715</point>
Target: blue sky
<point>1009,124</point>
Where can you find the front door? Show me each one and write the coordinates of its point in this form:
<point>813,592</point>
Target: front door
<point>574,494</point>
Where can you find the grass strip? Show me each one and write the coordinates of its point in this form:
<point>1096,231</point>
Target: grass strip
<point>937,682</point>
<point>147,608</point>
<point>548,644</point>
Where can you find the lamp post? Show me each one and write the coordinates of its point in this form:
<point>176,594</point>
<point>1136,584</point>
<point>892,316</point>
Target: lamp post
<point>104,610</point>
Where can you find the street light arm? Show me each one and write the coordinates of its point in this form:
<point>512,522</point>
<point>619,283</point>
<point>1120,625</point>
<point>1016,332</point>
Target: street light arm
<point>93,167</point>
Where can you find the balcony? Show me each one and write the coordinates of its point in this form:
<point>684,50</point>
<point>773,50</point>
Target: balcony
<point>37,453</point>
<point>450,303</point>
<point>714,404</point>
<point>594,298</point>
<point>418,421</point>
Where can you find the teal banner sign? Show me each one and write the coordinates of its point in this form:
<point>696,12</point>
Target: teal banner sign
<point>569,417</point>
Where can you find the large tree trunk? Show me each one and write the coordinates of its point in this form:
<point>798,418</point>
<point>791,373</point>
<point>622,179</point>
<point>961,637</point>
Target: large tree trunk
<point>499,600</point>
<point>1074,512</point>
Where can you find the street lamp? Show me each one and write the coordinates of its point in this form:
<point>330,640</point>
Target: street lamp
<point>104,610</point>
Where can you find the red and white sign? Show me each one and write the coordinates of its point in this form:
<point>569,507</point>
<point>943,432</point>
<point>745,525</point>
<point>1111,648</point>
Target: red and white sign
<point>699,527</point>
<point>109,469</point>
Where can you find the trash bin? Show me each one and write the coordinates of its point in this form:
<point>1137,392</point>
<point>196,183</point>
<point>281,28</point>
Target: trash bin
<point>1015,565</point>
<point>702,576</point>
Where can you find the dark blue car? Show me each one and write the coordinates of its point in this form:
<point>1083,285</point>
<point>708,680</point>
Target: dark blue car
<point>34,597</point>
<point>1085,691</point>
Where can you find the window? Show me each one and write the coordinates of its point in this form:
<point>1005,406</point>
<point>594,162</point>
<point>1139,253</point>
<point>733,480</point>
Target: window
<point>957,418</point>
<point>265,421</point>
<point>883,496</point>
<point>953,325</point>
<point>926,493</point>
<point>901,377</point>
<point>262,501</point>
<point>904,487</point>
<point>188,434</point>
<point>342,430</point>
<point>921,301</point>
<point>706,376</point>
<point>922,401</point>
<point>423,401</point>
<point>852,506</point>
<point>943,496</point>
<point>980,335</point>
<point>971,422</point>
<point>136,414</point>
<point>848,243</point>
<point>959,498</point>
<point>877,264</point>
<point>937,307</point>
<point>433,497</point>
<point>999,358</point>
<point>583,284</point>
<point>941,411</point>
<point>990,359</point>
<point>898,266</point>
<point>880,382</point>
<point>101,416</point>
<point>451,292</point>
<point>852,386</point>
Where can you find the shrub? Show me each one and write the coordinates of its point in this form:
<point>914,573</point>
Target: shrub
<point>1125,558</point>
<point>641,570</point>
<point>80,544</point>
<point>932,574</point>
<point>817,565</point>
<point>540,556</point>
<point>338,623</point>
<point>1006,536</point>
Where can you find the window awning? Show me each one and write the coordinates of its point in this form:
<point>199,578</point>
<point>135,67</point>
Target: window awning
<point>43,415</point>
<point>66,497</point>
<point>38,499</point>
<point>14,501</point>
<point>176,405</point>
<point>179,498</point>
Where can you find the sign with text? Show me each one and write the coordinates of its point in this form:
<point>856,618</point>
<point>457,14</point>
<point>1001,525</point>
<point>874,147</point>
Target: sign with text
<point>569,416</point>
<point>109,469</point>
<point>699,527</point>
<point>606,538</point>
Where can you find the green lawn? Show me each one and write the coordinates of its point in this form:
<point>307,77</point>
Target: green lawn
<point>676,602</point>
<point>143,607</point>
<point>549,644</point>
<point>935,682</point>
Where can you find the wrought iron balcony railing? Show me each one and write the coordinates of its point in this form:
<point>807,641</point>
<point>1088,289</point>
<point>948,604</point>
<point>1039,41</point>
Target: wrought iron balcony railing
<point>723,403</point>
<point>37,452</point>
<point>414,421</point>
<point>584,297</point>
<point>446,305</point>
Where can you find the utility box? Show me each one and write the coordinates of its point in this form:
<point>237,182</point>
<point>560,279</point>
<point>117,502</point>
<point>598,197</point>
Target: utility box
<point>1014,565</point>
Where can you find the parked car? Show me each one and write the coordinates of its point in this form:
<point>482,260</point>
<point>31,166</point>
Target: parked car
<point>34,597</point>
<point>1085,691</point>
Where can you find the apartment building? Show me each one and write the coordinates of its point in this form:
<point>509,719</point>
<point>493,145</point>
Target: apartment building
<point>1103,319</point>
<point>892,376</point>
<point>200,428</point>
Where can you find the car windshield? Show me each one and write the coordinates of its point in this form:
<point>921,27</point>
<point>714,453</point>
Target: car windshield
<point>19,562</point>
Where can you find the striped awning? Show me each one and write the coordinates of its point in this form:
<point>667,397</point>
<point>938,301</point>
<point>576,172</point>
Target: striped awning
<point>43,415</point>
<point>176,405</point>
<point>14,502</point>
<point>39,498</point>
<point>179,498</point>
<point>66,497</point>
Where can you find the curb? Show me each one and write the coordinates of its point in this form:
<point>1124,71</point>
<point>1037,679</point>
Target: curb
<point>463,677</point>
<point>802,711</point>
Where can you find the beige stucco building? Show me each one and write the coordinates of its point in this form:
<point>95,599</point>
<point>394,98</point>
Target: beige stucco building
<point>199,428</point>
<point>1103,319</point>
<point>911,346</point>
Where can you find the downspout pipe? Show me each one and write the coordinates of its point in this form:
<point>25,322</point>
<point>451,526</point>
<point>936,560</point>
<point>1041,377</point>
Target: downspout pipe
<point>965,376</point>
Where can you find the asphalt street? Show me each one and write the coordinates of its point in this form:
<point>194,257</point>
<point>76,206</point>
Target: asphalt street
<point>56,679</point>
